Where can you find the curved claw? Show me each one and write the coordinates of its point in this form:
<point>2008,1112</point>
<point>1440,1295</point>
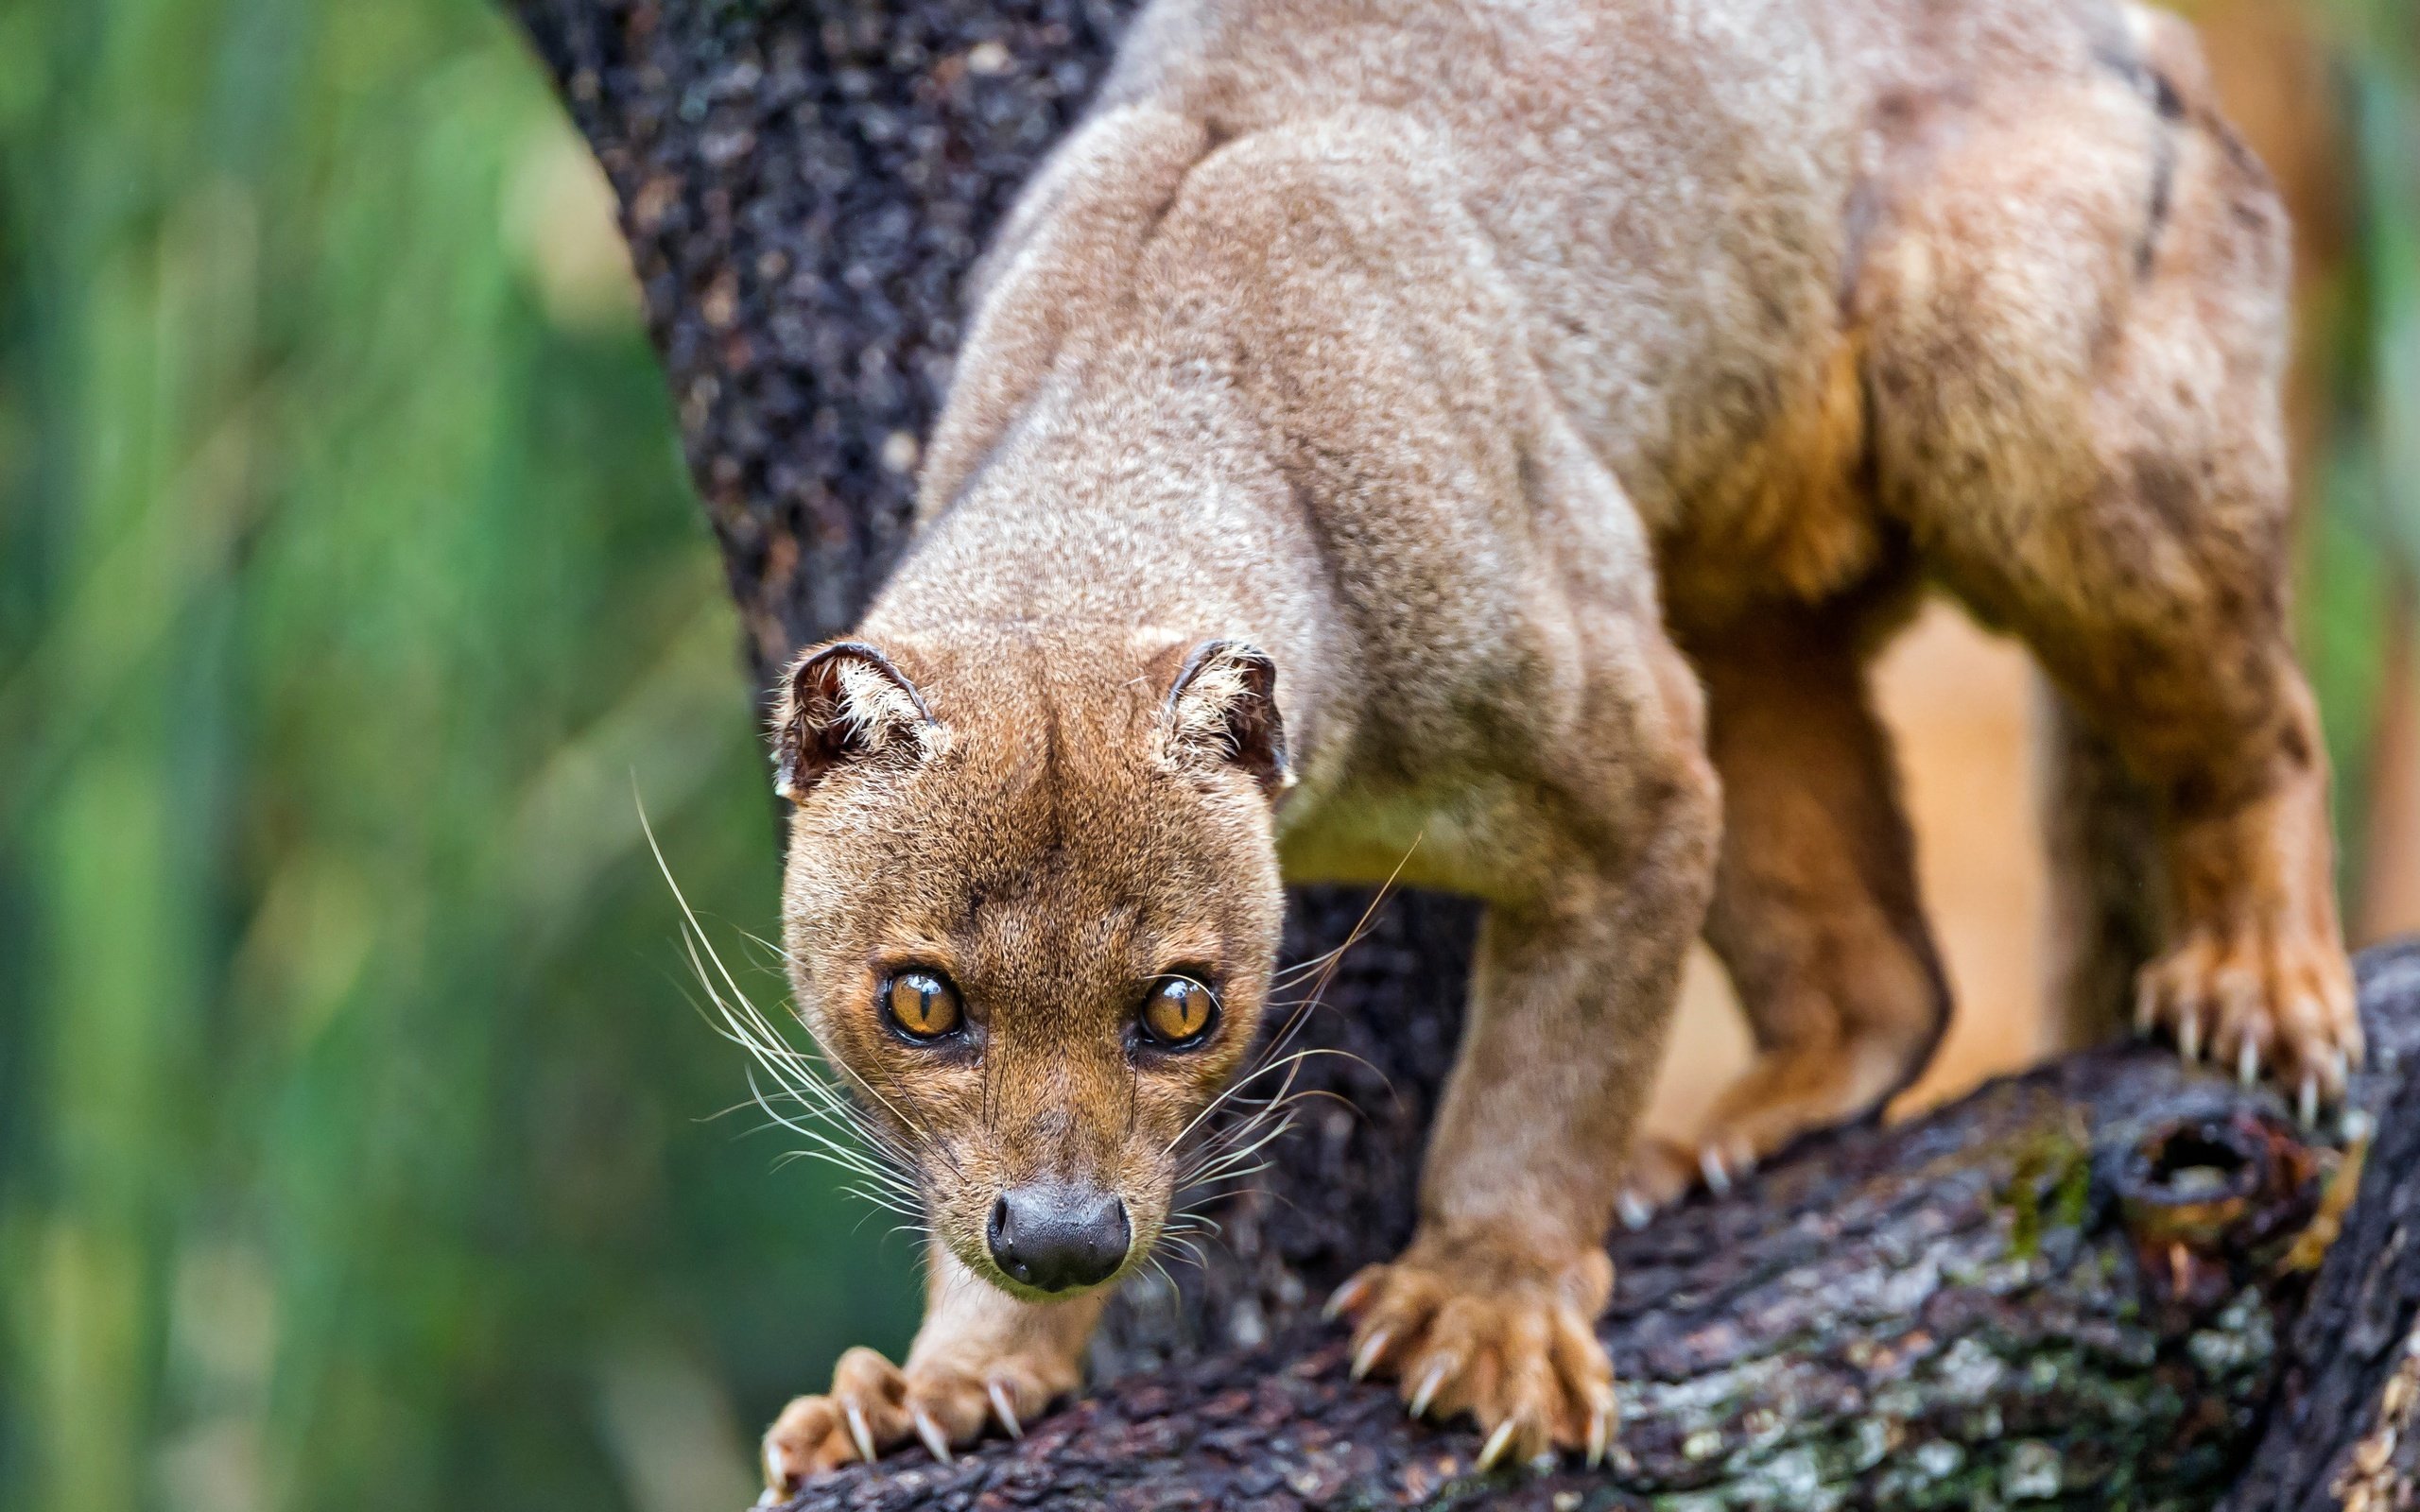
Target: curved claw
<point>1635,1213</point>
<point>1346,1298</point>
<point>930,1432</point>
<point>2189,1036</point>
<point>858,1434</point>
<point>1497,1444</point>
<point>1601,1434</point>
<point>1366,1358</point>
<point>1717,1180</point>
<point>1429,1384</point>
<point>2247,1062</point>
<point>2307,1100</point>
<point>1003,1408</point>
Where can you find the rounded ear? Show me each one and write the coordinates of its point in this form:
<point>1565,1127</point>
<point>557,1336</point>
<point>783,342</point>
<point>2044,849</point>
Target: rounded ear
<point>842,701</point>
<point>1223,708</point>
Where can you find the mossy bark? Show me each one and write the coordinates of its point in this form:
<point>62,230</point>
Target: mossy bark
<point>2080,1287</point>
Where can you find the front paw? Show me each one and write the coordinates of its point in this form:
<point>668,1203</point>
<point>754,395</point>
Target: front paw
<point>1477,1328</point>
<point>874,1406</point>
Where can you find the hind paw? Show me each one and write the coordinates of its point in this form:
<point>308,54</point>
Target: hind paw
<point>2256,1002</point>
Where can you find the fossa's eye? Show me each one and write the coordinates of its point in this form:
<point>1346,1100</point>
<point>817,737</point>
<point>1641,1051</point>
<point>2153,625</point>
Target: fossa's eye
<point>922,1005</point>
<point>1179,1014</point>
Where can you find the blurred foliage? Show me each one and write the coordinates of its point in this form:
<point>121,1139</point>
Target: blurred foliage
<point>2361,331</point>
<point>357,1146</point>
<point>357,1135</point>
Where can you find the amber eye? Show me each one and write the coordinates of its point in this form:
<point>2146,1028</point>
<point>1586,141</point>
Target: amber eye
<point>922,1005</point>
<point>1179,1014</point>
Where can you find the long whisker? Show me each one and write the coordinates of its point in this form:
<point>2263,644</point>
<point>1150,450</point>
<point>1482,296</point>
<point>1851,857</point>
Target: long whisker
<point>886,1172</point>
<point>1360,926</point>
<point>699,933</point>
<point>1311,1001</point>
<point>847,1156</point>
<point>1192,1221</point>
<point>747,1027</point>
<point>1203,1183</point>
<point>1232,1092</point>
<point>1237,1157</point>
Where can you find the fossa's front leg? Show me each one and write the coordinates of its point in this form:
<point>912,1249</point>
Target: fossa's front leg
<point>1492,1308</point>
<point>981,1358</point>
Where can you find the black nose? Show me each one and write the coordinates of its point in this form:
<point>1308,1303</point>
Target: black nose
<point>1055,1238</point>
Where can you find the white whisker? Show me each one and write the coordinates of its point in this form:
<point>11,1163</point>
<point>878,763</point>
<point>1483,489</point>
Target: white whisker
<point>837,1133</point>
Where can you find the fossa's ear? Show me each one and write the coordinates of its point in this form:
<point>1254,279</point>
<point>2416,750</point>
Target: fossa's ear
<point>843,701</point>
<point>1223,708</point>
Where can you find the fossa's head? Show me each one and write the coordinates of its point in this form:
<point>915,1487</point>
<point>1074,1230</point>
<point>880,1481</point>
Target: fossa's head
<point>1031,912</point>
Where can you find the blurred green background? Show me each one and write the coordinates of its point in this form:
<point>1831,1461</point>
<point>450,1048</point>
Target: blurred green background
<point>359,1134</point>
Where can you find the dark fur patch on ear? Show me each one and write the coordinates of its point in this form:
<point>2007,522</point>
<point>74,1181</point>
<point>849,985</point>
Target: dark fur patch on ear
<point>1223,708</point>
<point>841,701</point>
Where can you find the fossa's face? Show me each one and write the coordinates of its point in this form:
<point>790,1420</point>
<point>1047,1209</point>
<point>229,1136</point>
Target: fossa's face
<point>1030,918</point>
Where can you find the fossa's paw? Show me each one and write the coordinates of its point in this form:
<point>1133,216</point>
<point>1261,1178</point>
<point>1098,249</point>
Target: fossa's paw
<point>1471,1328</point>
<point>1661,1172</point>
<point>875,1407</point>
<point>2258,1000</point>
<point>1782,1095</point>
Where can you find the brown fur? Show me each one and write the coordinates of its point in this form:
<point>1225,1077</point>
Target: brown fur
<point>1366,409</point>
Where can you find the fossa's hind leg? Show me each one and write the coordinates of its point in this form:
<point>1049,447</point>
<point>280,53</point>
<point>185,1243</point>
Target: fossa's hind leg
<point>2075,332</point>
<point>2101,844</point>
<point>1815,913</point>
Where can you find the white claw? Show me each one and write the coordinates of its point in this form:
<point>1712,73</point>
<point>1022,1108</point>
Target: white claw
<point>1340,1299</point>
<point>1003,1409</point>
<point>1600,1436</point>
<point>1428,1387</point>
<point>930,1432</point>
<point>2146,1010</point>
<point>1497,1442</point>
<point>774,1479</point>
<point>2188,1036</point>
<point>2247,1062</point>
<point>2307,1101</point>
<point>1717,1180</point>
<point>858,1434</point>
<point>1636,1213</point>
<point>1366,1359</point>
<point>2343,1069</point>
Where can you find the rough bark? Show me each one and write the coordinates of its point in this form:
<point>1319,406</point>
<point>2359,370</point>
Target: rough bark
<point>2340,1432</point>
<point>2029,1297</point>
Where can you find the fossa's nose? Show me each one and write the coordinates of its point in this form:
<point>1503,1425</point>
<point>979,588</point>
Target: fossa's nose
<point>1056,1238</point>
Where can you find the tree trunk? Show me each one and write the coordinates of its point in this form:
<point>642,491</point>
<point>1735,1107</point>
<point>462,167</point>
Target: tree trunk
<point>2070,1288</point>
